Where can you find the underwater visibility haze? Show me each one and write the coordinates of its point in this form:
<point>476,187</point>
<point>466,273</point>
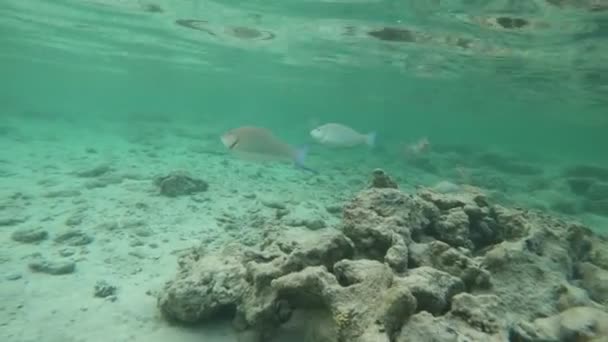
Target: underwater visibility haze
<point>304,170</point>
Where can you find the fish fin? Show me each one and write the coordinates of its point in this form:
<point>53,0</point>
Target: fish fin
<point>370,139</point>
<point>300,157</point>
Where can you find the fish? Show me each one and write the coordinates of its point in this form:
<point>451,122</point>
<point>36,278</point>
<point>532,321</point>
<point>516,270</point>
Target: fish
<point>418,148</point>
<point>260,144</point>
<point>339,135</point>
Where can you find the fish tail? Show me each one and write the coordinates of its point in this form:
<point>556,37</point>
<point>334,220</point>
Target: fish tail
<point>370,139</point>
<point>300,156</point>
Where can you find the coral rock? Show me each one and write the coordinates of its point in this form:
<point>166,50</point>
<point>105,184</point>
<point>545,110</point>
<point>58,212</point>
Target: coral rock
<point>441,256</point>
<point>430,266</point>
<point>575,324</point>
<point>595,281</point>
<point>30,235</point>
<point>205,286</point>
<point>180,184</point>
<point>377,219</point>
<point>382,180</point>
<point>453,228</point>
<point>432,288</point>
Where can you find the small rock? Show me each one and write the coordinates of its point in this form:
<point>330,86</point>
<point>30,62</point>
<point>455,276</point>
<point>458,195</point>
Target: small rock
<point>479,311</point>
<point>198,198</point>
<point>574,324</point>
<point>315,224</point>
<point>272,203</point>
<point>312,224</point>
<point>66,252</point>
<point>74,220</point>
<point>11,221</point>
<point>29,235</point>
<point>583,323</point>
<point>180,184</point>
<point>52,267</point>
<point>103,289</point>
<point>142,206</point>
<point>143,232</point>
<point>74,238</point>
<point>250,196</point>
<point>397,257</point>
<point>231,226</point>
<point>138,254</point>
<point>334,209</point>
<point>595,280</point>
<point>280,213</point>
<point>599,256</point>
<point>104,181</point>
<point>571,296</point>
<point>136,243</point>
<point>13,276</point>
<point>382,180</point>
<point>305,215</point>
<point>94,172</point>
<point>433,288</point>
<point>453,228</point>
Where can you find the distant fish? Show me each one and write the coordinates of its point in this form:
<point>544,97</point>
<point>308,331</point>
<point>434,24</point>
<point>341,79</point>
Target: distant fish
<point>338,135</point>
<point>421,146</point>
<point>256,143</point>
<point>447,187</point>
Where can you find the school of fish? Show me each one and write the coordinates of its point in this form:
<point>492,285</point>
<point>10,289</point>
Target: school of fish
<point>260,144</point>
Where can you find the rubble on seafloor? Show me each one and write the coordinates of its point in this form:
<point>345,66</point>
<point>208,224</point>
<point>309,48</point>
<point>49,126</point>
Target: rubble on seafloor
<point>407,267</point>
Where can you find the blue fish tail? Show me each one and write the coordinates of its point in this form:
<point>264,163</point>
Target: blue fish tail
<point>300,157</point>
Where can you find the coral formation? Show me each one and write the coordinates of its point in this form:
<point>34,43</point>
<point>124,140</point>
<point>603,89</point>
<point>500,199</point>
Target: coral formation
<point>407,267</point>
<point>179,183</point>
<point>382,180</point>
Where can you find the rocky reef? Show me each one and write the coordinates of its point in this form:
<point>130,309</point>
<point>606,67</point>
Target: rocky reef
<point>406,267</point>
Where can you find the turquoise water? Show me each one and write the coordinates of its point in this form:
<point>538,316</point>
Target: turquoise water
<point>457,79</point>
<point>459,73</point>
<point>512,95</point>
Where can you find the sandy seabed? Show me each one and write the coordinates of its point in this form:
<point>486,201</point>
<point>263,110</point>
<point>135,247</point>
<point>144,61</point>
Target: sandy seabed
<point>93,221</point>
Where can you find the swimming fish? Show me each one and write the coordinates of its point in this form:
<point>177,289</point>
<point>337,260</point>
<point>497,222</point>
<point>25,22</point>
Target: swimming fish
<point>256,143</point>
<point>338,135</point>
<point>416,149</point>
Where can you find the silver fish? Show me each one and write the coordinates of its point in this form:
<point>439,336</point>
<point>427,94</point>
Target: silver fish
<point>339,135</point>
